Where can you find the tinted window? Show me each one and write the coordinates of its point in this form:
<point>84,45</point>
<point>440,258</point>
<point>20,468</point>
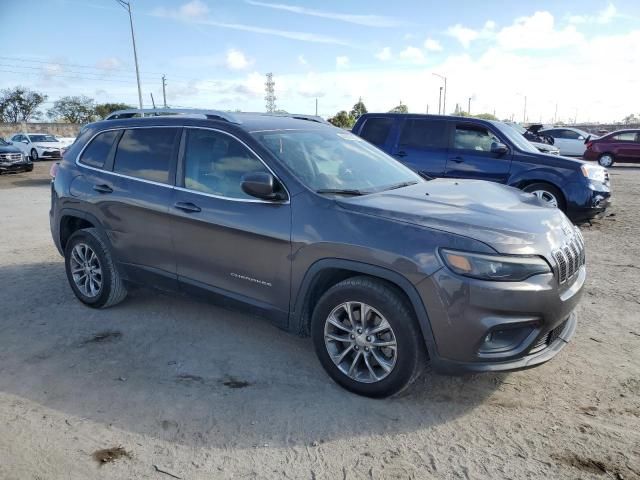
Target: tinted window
<point>97,151</point>
<point>473,137</point>
<point>146,153</point>
<point>625,137</point>
<point>424,134</point>
<point>376,130</point>
<point>568,134</point>
<point>215,163</point>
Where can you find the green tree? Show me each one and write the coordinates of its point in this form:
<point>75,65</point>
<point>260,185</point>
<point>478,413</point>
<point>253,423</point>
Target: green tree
<point>79,109</point>
<point>629,119</point>
<point>103,110</point>
<point>342,119</point>
<point>358,109</point>
<point>486,116</point>
<point>19,104</point>
<point>401,108</point>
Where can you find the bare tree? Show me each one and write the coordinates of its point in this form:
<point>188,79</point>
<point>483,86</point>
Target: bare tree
<point>19,104</point>
<point>73,109</point>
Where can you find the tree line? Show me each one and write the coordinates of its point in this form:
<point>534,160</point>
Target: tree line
<point>20,104</point>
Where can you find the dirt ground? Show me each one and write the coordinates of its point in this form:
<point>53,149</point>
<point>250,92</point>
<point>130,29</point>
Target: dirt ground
<point>166,386</point>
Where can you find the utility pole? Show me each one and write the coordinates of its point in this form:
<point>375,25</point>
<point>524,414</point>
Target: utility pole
<point>440,102</point>
<point>270,96</point>
<point>469,109</point>
<point>127,7</point>
<point>555,114</point>
<point>164,91</point>
<point>316,107</point>
<point>152,101</point>
<point>427,109</point>
<point>524,114</point>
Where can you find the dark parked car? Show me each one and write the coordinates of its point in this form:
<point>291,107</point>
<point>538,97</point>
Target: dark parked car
<point>12,160</point>
<point>463,147</point>
<point>619,146</point>
<point>322,233</point>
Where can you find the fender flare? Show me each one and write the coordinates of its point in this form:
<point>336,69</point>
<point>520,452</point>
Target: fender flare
<point>72,212</point>
<point>538,175</point>
<point>298,320</point>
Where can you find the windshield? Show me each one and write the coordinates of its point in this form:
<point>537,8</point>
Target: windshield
<point>516,138</point>
<point>3,142</point>
<point>336,160</point>
<point>519,128</point>
<point>43,138</point>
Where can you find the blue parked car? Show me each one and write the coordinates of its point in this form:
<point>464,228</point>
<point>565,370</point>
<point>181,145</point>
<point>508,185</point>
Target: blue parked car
<point>463,147</point>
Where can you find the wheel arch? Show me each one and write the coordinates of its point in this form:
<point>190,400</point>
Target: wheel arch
<point>72,220</point>
<point>325,273</point>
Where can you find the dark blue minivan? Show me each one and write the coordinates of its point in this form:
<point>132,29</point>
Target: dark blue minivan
<point>463,147</point>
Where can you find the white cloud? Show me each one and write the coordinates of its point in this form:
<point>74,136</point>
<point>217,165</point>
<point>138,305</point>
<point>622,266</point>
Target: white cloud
<point>384,54</point>
<point>342,61</point>
<point>302,60</point>
<point>606,15</point>
<point>366,20</point>
<point>412,54</point>
<point>537,32</point>
<point>432,45</point>
<point>236,60</point>
<point>109,64</point>
<point>464,35</point>
<point>188,11</point>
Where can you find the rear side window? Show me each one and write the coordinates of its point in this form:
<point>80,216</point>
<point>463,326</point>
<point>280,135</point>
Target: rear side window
<point>625,137</point>
<point>424,134</point>
<point>98,149</point>
<point>376,130</point>
<point>568,134</point>
<point>146,153</point>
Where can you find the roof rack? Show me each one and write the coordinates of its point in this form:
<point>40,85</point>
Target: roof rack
<point>299,116</point>
<point>151,112</point>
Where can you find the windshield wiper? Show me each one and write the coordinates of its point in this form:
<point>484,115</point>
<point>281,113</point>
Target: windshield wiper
<point>398,185</point>
<point>339,191</point>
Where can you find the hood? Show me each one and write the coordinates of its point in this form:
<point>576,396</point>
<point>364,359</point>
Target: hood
<point>505,218</point>
<point>535,128</point>
<point>57,145</point>
<point>9,149</point>
<point>544,147</point>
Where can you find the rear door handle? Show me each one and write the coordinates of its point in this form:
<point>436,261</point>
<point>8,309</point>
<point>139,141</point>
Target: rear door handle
<point>457,159</point>
<point>103,188</point>
<point>400,154</point>
<point>187,207</point>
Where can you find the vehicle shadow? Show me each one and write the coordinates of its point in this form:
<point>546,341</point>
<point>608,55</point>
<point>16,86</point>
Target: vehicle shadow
<point>189,372</point>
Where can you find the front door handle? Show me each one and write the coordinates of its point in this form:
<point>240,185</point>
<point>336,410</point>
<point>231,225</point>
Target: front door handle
<point>400,154</point>
<point>187,207</point>
<point>457,159</point>
<point>103,188</point>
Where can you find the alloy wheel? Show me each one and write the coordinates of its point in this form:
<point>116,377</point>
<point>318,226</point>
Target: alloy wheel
<point>547,197</point>
<point>86,270</point>
<point>360,342</point>
<point>606,160</point>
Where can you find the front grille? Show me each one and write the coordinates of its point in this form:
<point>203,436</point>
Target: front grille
<point>548,338</point>
<point>11,157</point>
<point>570,257</point>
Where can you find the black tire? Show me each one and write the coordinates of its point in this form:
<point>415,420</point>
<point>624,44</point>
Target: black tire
<point>34,155</point>
<point>604,161</point>
<point>547,187</point>
<point>112,290</point>
<point>411,356</point>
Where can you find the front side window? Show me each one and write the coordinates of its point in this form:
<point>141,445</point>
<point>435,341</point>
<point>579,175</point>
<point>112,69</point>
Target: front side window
<point>424,134</point>
<point>568,134</point>
<point>43,138</point>
<point>146,153</point>
<point>376,130</point>
<point>329,159</point>
<point>473,137</point>
<point>625,137</point>
<point>215,163</point>
<point>98,150</point>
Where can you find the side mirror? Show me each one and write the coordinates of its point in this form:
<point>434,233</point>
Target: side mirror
<point>26,142</point>
<point>499,148</point>
<point>10,142</point>
<point>580,137</point>
<point>261,185</point>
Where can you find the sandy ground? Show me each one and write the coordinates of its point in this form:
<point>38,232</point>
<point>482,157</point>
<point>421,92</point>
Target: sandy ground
<point>201,392</point>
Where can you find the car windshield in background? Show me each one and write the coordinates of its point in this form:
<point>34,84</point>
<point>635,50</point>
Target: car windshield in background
<point>336,162</point>
<point>3,142</point>
<point>518,140</point>
<point>43,138</point>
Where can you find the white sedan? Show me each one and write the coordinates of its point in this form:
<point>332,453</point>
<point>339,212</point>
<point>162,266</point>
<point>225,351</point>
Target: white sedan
<point>38,145</point>
<point>570,141</point>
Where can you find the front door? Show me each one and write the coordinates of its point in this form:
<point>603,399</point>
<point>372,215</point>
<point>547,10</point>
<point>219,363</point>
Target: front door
<point>471,156</point>
<point>226,240</point>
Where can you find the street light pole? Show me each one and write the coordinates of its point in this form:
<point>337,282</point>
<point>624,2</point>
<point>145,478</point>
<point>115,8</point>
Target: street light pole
<point>440,102</point>
<point>127,7</point>
<point>469,109</point>
<point>524,114</point>
<point>444,100</point>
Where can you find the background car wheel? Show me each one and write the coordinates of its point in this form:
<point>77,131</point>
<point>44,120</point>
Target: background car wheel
<point>367,338</point>
<point>605,160</point>
<point>34,155</point>
<point>548,194</point>
<point>91,271</point>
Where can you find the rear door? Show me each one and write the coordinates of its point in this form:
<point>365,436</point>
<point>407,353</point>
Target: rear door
<point>470,155</point>
<point>135,200</point>
<point>625,146</point>
<point>423,145</point>
<point>226,240</point>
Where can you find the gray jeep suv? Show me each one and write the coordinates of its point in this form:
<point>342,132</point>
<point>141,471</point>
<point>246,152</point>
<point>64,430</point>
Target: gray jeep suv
<point>323,234</point>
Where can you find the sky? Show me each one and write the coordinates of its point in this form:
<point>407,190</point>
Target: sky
<point>569,59</point>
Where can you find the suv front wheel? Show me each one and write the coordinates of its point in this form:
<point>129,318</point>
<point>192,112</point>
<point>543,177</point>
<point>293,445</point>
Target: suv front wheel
<point>367,338</point>
<point>91,271</point>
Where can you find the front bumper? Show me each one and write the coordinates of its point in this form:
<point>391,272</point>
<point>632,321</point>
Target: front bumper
<point>15,167</point>
<point>464,313</point>
<point>586,203</point>
<point>50,154</point>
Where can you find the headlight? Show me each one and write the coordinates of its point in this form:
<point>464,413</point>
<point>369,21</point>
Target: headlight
<point>593,172</point>
<point>505,268</point>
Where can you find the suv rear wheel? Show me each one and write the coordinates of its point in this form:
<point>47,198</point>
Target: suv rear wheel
<point>367,338</point>
<point>91,271</point>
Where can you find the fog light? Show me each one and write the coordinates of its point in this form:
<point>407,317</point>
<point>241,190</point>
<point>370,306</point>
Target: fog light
<point>504,340</point>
